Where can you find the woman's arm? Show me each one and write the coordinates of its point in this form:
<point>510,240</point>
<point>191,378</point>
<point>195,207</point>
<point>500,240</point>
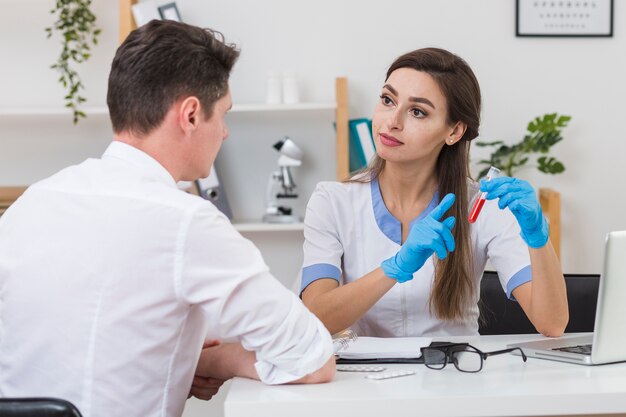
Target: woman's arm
<point>339,307</point>
<point>544,299</point>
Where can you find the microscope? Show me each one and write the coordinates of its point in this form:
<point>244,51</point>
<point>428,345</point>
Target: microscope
<point>281,185</point>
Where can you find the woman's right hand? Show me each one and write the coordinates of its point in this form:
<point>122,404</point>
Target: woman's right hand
<point>426,237</point>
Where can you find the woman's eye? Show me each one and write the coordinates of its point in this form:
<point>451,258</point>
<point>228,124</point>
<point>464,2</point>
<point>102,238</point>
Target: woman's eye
<point>386,100</point>
<point>418,113</point>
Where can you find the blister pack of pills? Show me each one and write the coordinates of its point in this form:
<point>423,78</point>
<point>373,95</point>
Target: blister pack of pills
<point>387,375</point>
<point>360,368</point>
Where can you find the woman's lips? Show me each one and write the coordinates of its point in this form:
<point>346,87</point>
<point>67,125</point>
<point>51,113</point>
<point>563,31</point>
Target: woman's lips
<point>389,140</point>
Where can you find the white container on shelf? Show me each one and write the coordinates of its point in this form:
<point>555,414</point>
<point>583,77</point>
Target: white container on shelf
<point>291,95</point>
<point>274,93</point>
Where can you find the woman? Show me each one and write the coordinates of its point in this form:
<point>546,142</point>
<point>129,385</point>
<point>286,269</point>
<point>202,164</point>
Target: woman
<point>382,256</point>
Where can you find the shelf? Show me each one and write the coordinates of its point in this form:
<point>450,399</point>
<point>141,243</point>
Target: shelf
<point>242,108</point>
<point>268,227</point>
<point>237,108</point>
<point>50,111</point>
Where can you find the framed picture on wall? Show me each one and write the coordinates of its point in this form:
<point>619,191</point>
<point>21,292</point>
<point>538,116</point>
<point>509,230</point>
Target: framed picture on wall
<point>564,18</point>
<point>169,11</point>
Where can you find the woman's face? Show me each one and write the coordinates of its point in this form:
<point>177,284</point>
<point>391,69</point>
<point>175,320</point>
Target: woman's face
<point>410,120</point>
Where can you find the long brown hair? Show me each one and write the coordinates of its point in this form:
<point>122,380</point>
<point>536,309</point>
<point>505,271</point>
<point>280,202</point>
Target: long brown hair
<point>453,287</point>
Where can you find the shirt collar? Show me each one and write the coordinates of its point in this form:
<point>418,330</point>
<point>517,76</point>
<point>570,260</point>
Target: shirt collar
<point>387,223</point>
<point>138,158</point>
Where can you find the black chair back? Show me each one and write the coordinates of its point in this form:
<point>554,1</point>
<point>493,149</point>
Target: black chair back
<point>499,315</point>
<point>37,407</point>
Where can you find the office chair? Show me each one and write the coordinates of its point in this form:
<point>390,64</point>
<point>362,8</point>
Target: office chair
<point>37,407</point>
<point>499,315</point>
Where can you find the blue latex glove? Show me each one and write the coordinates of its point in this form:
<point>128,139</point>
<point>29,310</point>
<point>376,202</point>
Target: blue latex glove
<point>426,237</point>
<point>520,197</point>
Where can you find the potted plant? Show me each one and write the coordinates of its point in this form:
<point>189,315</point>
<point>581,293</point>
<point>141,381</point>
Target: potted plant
<point>542,133</point>
<point>76,24</point>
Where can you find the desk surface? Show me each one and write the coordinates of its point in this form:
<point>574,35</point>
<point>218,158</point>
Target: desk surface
<point>505,387</point>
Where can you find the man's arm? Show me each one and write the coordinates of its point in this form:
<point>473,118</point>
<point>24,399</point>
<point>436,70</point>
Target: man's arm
<point>244,302</point>
<point>227,360</point>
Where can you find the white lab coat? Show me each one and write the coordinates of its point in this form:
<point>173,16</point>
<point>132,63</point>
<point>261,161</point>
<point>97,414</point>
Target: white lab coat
<point>349,232</point>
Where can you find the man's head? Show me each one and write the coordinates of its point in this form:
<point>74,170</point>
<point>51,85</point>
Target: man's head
<point>161,63</point>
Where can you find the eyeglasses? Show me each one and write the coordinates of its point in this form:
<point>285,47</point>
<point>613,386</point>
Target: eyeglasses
<point>465,357</point>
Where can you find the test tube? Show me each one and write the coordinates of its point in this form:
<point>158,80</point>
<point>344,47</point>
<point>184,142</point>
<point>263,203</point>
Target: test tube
<point>480,201</point>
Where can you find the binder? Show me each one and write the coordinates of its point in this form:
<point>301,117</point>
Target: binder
<point>211,189</point>
<point>352,349</point>
<point>361,146</point>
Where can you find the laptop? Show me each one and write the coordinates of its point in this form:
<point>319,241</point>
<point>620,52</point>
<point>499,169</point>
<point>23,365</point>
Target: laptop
<point>607,344</point>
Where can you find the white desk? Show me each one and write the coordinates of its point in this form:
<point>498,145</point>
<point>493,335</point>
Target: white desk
<point>505,387</point>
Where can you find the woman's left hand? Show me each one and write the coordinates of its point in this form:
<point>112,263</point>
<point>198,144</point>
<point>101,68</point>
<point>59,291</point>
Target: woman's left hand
<point>520,197</point>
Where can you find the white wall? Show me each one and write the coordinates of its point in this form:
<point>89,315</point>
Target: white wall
<point>520,78</point>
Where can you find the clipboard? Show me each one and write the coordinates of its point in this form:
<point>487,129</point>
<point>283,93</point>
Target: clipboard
<point>418,360</point>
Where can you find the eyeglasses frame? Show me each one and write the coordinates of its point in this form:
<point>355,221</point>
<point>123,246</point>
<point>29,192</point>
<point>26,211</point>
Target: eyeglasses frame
<point>447,350</point>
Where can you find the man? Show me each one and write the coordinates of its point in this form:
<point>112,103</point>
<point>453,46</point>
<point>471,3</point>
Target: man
<point>111,279</point>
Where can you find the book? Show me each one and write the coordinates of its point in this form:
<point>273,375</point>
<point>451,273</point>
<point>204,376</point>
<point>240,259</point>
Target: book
<point>361,143</point>
<point>350,348</point>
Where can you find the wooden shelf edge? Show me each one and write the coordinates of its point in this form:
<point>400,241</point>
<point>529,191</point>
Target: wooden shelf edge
<point>8,195</point>
<point>249,227</point>
<point>50,111</point>
<point>260,107</point>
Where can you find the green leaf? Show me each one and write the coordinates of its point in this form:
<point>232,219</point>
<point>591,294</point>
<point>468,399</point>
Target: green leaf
<point>482,144</point>
<point>542,133</point>
<point>557,168</point>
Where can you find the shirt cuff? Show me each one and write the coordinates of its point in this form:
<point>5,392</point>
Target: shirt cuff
<point>314,358</point>
<point>520,277</point>
<point>318,271</point>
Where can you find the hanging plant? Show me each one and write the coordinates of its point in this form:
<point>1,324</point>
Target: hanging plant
<point>77,26</point>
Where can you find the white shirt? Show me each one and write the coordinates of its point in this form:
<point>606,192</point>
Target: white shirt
<point>111,279</point>
<point>349,231</point>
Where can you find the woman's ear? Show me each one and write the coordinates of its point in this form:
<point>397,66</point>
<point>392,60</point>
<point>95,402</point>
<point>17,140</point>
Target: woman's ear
<point>456,133</point>
<point>189,114</point>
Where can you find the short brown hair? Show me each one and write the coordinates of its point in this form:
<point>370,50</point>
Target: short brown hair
<point>161,62</point>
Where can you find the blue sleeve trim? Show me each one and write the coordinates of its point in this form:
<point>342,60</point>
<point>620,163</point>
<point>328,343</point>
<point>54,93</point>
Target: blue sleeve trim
<point>520,277</point>
<point>318,271</point>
